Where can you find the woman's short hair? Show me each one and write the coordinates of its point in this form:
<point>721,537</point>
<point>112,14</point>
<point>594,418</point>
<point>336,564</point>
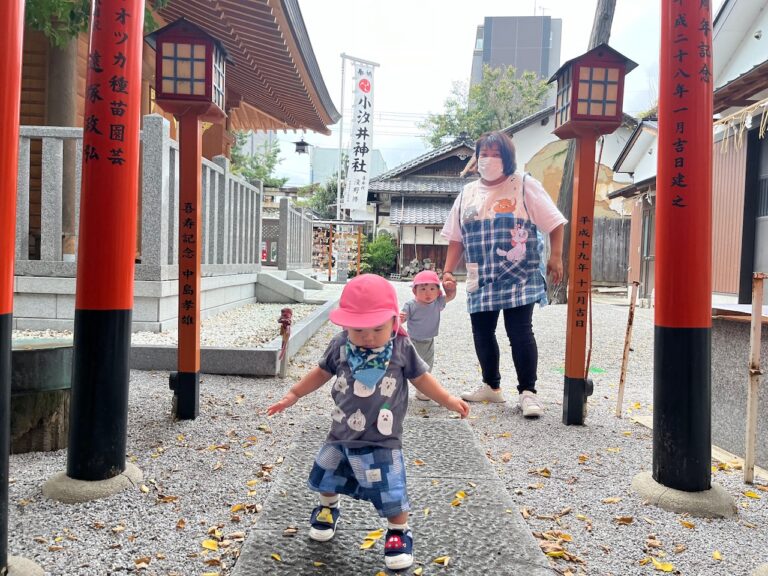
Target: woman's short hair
<point>504,144</point>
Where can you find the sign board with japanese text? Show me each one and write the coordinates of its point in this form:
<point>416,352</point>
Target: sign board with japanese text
<point>361,140</point>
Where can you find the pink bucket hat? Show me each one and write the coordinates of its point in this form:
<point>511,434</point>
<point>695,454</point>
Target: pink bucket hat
<point>367,300</point>
<point>426,277</point>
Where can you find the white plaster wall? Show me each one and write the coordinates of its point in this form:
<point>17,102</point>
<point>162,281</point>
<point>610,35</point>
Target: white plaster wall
<point>748,17</point>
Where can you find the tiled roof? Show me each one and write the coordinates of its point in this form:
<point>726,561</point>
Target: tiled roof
<point>420,211</point>
<point>460,142</point>
<point>419,185</point>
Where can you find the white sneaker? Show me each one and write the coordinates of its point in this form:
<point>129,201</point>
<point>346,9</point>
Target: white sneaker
<point>484,393</point>
<point>421,396</point>
<point>530,404</point>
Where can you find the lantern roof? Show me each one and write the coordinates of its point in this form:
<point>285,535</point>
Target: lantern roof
<point>184,27</point>
<point>274,82</point>
<point>599,50</point>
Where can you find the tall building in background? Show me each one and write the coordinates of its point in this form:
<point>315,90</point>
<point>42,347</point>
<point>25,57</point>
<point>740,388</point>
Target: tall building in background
<point>524,42</point>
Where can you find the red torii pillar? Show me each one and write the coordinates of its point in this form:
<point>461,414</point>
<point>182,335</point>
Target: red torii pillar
<point>12,34</point>
<point>682,358</point>
<point>107,244</point>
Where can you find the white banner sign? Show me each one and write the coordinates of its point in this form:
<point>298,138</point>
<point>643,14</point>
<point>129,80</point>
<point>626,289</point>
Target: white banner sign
<point>358,174</point>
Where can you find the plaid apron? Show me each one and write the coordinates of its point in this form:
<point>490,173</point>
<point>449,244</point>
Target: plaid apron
<point>504,264</point>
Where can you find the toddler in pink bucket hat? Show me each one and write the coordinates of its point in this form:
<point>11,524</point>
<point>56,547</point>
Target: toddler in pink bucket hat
<point>372,360</point>
<point>423,315</point>
<point>367,300</point>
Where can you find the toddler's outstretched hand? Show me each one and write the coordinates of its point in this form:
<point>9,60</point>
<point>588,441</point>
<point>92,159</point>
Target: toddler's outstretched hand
<point>285,402</point>
<point>458,405</point>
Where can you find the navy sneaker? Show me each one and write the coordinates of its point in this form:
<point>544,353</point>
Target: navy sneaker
<point>323,523</point>
<point>398,549</point>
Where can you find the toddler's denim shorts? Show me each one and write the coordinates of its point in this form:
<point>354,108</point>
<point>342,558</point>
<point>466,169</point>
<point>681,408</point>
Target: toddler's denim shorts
<point>369,473</point>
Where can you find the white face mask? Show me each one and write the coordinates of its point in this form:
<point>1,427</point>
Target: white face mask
<point>491,168</point>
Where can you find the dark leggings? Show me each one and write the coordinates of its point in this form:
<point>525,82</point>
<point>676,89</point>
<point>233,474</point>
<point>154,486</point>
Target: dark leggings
<point>525,354</point>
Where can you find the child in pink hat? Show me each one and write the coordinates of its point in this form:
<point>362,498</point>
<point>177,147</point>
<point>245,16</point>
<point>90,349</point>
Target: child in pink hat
<point>422,314</point>
<point>372,359</point>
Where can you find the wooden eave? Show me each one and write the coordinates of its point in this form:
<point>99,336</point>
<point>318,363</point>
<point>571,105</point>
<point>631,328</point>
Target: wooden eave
<point>273,71</point>
<point>742,91</point>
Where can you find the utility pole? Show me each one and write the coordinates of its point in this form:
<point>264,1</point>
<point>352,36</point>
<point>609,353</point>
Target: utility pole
<point>601,33</point>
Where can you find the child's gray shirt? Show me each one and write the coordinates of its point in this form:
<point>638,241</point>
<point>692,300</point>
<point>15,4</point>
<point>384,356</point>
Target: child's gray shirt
<point>370,416</point>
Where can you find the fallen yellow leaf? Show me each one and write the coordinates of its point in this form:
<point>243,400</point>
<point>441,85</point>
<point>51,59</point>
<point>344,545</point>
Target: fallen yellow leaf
<point>144,488</point>
<point>375,535</point>
<point>276,557</point>
<point>237,508</point>
<point>210,573</point>
<point>367,544</point>
<point>613,449</point>
<point>419,462</point>
<point>625,520</point>
<point>663,566</point>
<point>612,500</point>
<point>456,502</point>
<point>716,555</point>
<point>461,494</point>
<point>505,435</point>
<point>426,511</point>
<point>210,545</point>
<point>317,564</point>
<point>251,483</point>
<point>442,560</point>
<point>751,494</point>
<point>689,525</point>
<point>418,571</point>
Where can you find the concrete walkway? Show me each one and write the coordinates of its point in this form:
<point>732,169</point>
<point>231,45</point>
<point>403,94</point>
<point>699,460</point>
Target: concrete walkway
<point>485,534</point>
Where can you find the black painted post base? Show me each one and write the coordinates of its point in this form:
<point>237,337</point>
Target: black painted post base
<point>186,394</point>
<point>575,393</point>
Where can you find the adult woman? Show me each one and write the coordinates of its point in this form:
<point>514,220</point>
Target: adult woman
<point>495,222</point>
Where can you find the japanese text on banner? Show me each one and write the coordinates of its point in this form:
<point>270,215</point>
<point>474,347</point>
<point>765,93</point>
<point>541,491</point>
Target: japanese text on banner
<point>358,174</point>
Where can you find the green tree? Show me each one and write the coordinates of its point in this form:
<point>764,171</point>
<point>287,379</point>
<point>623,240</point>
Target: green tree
<point>499,100</point>
<point>62,20</point>
<point>321,198</point>
<point>380,254</point>
<point>257,167</point>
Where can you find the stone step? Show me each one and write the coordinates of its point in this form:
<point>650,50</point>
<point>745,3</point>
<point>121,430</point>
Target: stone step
<point>484,535</point>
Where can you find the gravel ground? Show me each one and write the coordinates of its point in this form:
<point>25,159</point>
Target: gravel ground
<point>197,473</point>
<point>248,326</point>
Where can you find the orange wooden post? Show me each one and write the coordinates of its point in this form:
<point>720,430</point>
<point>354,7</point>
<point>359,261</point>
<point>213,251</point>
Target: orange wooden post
<point>11,32</point>
<point>107,243</point>
<point>683,315</point>
<point>590,90</point>
<point>190,80</point>
<point>577,385</point>
<point>186,382</point>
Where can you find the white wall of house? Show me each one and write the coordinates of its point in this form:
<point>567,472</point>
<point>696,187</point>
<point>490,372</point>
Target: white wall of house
<point>422,235</point>
<point>736,47</point>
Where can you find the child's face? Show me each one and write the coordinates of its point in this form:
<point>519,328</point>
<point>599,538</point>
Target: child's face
<point>371,337</point>
<point>426,293</point>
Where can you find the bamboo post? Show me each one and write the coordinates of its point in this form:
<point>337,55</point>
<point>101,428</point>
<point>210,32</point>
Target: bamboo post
<point>359,246</point>
<point>627,341</point>
<point>754,375</point>
<point>330,252</point>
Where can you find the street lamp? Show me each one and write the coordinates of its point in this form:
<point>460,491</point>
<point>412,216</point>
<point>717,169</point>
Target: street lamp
<point>190,81</point>
<point>590,89</point>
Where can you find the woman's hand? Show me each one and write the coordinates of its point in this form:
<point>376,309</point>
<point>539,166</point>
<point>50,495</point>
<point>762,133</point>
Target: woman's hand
<point>285,402</point>
<point>555,269</point>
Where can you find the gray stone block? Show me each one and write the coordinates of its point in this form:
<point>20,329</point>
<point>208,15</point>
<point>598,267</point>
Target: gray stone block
<point>34,305</point>
<point>65,306</point>
<point>145,309</point>
<point>730,362</point>
<point>44,324</point>
<point>45,285</point>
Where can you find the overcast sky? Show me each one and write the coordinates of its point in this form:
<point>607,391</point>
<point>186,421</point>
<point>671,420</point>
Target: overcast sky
<point>423,46</point>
